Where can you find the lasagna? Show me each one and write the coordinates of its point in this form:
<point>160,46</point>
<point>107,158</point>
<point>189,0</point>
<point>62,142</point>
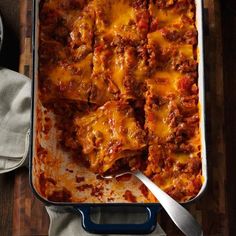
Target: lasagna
<point>122,79</point>
<point>109,134</point>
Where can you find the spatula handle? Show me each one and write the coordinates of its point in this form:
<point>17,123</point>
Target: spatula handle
<point>180,216</point>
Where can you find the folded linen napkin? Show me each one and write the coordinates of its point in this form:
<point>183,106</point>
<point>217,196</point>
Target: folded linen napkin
<point>15,99</point>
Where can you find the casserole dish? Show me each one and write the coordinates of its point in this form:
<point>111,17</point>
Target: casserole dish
<point>58,178</point>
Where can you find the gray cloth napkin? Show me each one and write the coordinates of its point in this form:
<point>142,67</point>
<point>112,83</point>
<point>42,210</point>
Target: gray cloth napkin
<point>15,100</point>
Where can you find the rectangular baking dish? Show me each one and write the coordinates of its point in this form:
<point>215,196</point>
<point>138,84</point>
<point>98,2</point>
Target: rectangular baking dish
<point>67,169</point>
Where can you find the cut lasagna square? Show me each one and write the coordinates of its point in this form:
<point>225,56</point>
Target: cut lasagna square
<point>178,173</point>
<point>103,87</point>
<point>166,53</point>
<point>174,160</point>
<point>109,134</point>
<point>67,80</point>
<point>66,50</point>
<point>122,70</point>
<point>172,12</point>
<point>121,21</point>
<point>82,32</point>
<point>171,101</point>
<point>161,92</point>
<point>71,25</point>
<point>173,36</point>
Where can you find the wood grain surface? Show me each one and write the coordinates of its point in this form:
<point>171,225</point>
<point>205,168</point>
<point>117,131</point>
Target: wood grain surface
<point>228,9</point>
<point>6,203</point>
<point>212,209</point>
<point>29,214</point>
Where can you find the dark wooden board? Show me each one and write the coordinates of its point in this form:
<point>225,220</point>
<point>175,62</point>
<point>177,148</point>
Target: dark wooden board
<point>29,214</point>
<point>228,9</point>
<point>212,209</point>
<point>6,203</point>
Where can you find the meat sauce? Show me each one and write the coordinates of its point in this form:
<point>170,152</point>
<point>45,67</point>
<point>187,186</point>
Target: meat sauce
<point>124,91</point>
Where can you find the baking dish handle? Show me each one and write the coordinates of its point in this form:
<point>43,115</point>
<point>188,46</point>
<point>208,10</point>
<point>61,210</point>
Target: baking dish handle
<point>144,228</point>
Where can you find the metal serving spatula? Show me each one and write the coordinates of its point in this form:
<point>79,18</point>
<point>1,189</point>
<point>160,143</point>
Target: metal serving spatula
<point>180,216</point>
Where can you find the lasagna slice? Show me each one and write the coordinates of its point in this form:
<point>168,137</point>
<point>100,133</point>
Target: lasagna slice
<point>66,50</point>
<point>69,22</point>
<point>118,72</point>
<point>161,93</point>
<point>121,21</point>
<point>171,106</point>
<point>177,173</point>
<point>109,134</point>
<point>172,38</point>
<point>167,53</point>
<point>172,124</point>
<point>82,33</point>
<point>130,70</point>
<point>103,87</point>
<point>172,12</point>
<point>67,80</point>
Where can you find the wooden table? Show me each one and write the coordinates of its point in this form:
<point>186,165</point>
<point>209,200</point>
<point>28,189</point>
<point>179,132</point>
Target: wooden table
<point>214,208</point>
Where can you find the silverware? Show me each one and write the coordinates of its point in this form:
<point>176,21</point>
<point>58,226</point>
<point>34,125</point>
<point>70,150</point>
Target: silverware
<point>180,216</point>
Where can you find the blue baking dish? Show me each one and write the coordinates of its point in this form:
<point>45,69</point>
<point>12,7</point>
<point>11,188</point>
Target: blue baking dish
<point>85,208</point>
